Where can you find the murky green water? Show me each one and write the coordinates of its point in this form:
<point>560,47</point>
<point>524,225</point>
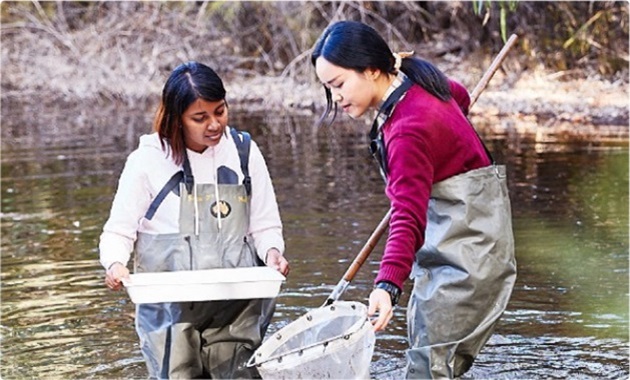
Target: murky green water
<point>568,317</point>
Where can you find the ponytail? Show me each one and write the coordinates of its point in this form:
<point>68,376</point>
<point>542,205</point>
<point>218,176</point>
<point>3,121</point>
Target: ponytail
<point>427,76</point>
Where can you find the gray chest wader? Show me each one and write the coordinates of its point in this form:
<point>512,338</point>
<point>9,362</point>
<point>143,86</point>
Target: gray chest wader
<point>211,339</point>
<point>463,274</point>
<point>465,271</point>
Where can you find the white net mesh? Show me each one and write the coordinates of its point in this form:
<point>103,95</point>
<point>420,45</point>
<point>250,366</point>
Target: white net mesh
<point>336,341</point>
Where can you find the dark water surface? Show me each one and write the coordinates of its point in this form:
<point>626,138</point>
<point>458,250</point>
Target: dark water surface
<point>568,317</point>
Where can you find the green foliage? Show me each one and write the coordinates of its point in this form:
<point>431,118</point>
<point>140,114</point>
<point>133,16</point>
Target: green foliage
<point>504,7</point>
<point>572,35</point>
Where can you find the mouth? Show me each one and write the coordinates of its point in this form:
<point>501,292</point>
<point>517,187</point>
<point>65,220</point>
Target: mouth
<point>213,136</point>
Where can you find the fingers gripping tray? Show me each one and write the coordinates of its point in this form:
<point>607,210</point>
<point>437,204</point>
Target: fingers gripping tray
<point>204,285</point>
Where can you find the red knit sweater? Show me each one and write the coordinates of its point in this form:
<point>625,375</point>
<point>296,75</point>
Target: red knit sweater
<point>427,141</point>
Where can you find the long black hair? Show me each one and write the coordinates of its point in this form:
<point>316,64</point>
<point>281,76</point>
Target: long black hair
<point>187,83</point>
<point>357,46</point>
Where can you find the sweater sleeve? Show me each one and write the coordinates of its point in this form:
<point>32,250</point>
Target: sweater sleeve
<point>128,208</point>
<point>265,223</point>
<point>409,188</point>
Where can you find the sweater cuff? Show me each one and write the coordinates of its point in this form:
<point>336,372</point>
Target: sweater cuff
<point>394,275</point>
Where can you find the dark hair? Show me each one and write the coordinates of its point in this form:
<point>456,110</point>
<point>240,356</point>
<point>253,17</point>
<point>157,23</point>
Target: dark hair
<point>357,46</point>
<point>187,83</point>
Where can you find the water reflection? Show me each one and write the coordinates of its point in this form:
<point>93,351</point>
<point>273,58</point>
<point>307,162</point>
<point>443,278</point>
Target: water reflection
<point>568,317</point>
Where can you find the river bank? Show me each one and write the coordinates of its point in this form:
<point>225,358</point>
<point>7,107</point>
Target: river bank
<point>538,104</point>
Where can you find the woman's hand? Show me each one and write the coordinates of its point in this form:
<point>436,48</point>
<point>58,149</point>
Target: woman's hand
<point>380,301</point>
<point>276,261</point>
<point>115,275</point>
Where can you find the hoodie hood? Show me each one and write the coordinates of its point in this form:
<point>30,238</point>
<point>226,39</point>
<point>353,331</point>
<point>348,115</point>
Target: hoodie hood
<point>152,141</point>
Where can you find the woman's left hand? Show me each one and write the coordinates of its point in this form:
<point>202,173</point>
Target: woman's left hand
<point>380,301</point>
<point>277,261</point>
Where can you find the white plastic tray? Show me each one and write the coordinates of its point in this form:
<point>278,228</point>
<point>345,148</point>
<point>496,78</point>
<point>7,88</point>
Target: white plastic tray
<point>204,285</point>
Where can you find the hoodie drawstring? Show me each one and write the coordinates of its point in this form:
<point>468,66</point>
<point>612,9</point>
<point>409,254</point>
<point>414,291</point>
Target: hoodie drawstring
<point>196,210</point>
<point>216,194</point>
<point>216,191</point>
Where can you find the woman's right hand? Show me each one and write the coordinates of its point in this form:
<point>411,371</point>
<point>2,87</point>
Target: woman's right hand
<point>114,276</point>
<point>276,260</point>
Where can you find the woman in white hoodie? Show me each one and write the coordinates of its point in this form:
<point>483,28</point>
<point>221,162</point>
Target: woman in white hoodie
<point>196,194</point>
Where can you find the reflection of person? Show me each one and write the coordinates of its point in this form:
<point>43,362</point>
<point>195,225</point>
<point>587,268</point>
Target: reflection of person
<point>450,228</point>
<point>195,195</point>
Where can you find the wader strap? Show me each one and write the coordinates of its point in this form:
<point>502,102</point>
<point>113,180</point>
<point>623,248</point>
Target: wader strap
<point>377,144</point>
<point>171,185</point>
<point>189,180</point>
<point>243,140</point>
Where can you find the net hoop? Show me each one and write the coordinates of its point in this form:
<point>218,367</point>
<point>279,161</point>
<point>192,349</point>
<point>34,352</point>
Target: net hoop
<point>314,345</point>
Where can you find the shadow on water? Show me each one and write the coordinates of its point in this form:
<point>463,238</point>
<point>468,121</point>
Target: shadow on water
<point>568,317</point>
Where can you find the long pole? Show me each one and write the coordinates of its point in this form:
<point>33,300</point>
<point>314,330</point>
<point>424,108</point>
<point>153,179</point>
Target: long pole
<point>494,66</point>
<point>382,226</point>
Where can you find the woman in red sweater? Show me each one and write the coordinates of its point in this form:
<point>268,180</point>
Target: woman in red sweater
<point>450,229</point>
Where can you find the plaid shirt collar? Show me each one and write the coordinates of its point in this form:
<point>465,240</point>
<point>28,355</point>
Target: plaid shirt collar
<point>392,87</point>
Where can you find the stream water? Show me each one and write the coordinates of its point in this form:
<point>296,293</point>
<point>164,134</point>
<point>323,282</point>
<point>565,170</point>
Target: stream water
<point>568,316</point>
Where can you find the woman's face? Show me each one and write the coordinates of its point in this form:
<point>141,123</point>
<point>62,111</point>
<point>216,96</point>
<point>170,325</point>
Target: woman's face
<point>354,92</point>
<point>204,124</point>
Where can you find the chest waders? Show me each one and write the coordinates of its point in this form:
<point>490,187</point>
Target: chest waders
<point>465,271</point>
<point>213,339</point>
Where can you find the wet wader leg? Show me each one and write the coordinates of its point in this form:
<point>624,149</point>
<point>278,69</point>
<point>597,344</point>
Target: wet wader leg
<point>170,350</point>
<point>438,348</point>
<point>184,361</point>
<point>233,336</point>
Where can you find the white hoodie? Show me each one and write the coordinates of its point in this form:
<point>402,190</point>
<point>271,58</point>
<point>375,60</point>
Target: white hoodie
<point>149,168</point>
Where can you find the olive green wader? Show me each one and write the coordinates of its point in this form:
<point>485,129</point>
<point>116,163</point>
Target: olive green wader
<point>463,274</point>
<point>213,339</point>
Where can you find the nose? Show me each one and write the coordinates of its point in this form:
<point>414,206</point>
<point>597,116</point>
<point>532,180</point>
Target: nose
<point>213,124</point>
<point>336,97</point>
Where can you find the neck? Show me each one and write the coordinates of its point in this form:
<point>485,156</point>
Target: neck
<point>383,82</point>
<point>390,83</point>
<point>388,79</point>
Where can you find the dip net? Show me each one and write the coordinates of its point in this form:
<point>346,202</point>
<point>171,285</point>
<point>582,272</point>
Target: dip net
<point>334,341</point>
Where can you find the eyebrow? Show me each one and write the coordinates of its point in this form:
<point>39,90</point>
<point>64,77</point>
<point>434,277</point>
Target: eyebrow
<point>204,112</point>
<point>198,113</point>
<point>334,79</point>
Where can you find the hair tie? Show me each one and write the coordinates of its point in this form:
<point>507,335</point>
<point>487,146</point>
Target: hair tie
<point>398,57</point>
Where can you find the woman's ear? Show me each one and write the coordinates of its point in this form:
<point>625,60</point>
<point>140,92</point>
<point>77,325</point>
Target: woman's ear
<point>372,74</point>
